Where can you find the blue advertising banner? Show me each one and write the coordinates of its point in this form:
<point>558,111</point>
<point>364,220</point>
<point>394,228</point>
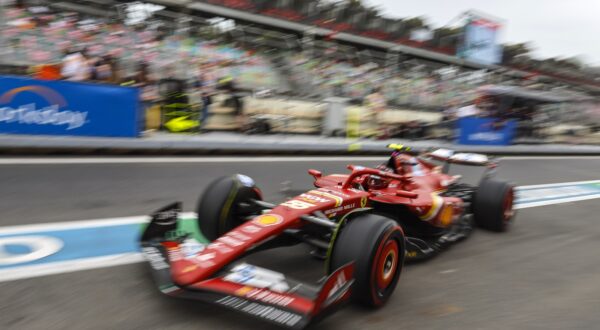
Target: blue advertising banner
<point>480,42</point>
<point>29,106</point>
<point>485,131</point>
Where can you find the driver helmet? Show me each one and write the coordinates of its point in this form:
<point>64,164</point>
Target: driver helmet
<point>375,182</point>
<point>398,160</point>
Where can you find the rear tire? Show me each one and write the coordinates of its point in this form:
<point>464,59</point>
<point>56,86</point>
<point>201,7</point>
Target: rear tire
<point>376,246</point>
<point>225,204</point>
<point>493,205</point>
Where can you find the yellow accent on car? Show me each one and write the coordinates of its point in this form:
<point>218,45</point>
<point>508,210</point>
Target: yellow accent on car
<point>189,268</point>
<point>445,217</point>
<point>338,199</point>
<point>437,203</point>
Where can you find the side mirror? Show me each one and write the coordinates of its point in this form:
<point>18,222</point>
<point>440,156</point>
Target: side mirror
<point>407,194</point>
<point>315,174</point>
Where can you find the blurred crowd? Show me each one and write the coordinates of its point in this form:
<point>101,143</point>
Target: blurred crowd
<point>67,46</point>
<point>360,18</point>
<point>413,85</point>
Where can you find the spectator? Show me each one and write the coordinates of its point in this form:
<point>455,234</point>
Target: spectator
<point>377,105</point>
<point>103,70</point>
<point>143,80</point>
<point>142,77</point>
<point>114,68</point>
<point>449,119</point>
<point>450,112</point>
<point>75,66</point>
<point>235,99</point>
<point>469,110</point>
<point>206,93</point>
<point>206,102</point>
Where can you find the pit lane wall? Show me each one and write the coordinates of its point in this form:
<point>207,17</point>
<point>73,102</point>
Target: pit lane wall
<point>39,107</point>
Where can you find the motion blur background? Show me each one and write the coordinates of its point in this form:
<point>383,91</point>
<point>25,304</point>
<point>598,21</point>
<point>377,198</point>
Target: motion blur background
<point>303,66</point>
<point>265,77</point>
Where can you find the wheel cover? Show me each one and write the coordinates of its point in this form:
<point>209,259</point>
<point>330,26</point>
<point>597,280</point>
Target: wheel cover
<point>507,206</point>
<point>386,265</point>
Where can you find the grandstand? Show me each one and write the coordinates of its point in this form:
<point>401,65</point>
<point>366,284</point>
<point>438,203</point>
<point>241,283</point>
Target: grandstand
<point>307,50</point>
<point>100,36</point>
<point>347,23</point>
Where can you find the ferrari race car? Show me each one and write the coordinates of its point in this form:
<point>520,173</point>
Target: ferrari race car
<point>364,225</point>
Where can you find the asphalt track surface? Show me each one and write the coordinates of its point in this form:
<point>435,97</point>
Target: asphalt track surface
<point>542,274</point>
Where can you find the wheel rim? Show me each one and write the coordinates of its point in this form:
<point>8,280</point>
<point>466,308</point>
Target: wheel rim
<point>387,265</point>
<point>507,207</point>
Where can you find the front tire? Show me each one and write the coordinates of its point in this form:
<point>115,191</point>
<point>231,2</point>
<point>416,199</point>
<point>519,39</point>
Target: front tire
<point>225,204</point>
<point>493,205</point>
<point>376,246</point>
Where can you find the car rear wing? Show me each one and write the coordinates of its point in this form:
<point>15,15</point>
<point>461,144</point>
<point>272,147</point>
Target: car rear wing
<point>252,290</point>
<point>451,157</point>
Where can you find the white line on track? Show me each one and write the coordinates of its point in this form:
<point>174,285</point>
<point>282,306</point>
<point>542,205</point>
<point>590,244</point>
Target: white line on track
<point>95,223</point>
<point>547,157</point>
<point>69,266</point>
<point>241,159</point>
<point>554,185</point>
<point>556,201</point>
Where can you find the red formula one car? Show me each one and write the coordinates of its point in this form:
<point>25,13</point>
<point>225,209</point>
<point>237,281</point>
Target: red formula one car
<point>363,224</point>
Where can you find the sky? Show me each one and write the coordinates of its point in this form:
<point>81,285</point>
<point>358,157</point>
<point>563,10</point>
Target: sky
<point>555,28</point>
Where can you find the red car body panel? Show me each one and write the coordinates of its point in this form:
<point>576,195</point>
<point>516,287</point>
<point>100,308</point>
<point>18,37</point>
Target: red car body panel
<point>333,200</point>
<point>232,245</point>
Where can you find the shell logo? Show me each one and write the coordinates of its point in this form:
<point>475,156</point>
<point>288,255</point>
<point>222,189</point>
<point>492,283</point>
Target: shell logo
<point>266,220</point>
<point>243,290</point>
